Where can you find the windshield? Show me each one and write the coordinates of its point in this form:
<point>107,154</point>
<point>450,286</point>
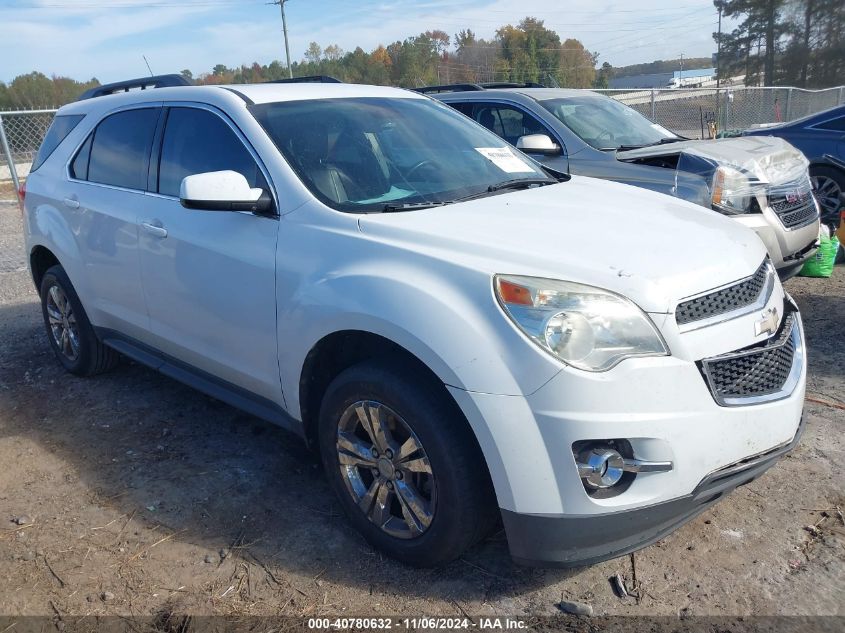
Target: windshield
<point>377,154</point>
<point>607,124</point>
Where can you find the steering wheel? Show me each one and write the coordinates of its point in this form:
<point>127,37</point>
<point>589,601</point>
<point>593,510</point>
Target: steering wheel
<point>423,163</point>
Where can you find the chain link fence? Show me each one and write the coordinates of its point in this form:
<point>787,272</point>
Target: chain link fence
<point>21,133</point>
<point>692,112</point>
<point>704,112</point>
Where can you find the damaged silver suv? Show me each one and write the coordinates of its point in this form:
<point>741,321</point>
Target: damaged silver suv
<point>761,182</point>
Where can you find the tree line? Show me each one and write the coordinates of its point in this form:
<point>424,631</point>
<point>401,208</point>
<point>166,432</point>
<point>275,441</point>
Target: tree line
<point>775,42</point>
<point>784,42</point>
<point>663,66</point>
<point>36,90</point>
<point>527,52</point>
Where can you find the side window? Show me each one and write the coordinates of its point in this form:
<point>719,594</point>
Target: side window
<point>60,127</point>
<point>198,141</point>
<point>508,122</point>
<point>835,125</point>
<point>79,166</point>
<point>487,115</point>
<point>511,122</point>
<point>119,152</point>
<point>463,108</point>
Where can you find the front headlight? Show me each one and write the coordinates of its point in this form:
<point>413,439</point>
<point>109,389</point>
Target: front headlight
<point>586,327</point>
<point>731,191</point>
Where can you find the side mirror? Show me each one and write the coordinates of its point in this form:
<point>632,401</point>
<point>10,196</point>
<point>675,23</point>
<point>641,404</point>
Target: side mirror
<point>538,144</point>
<point>223,191</point>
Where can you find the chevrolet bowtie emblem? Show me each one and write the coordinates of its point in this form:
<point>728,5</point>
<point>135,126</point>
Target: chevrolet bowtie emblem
<point>768,324</point>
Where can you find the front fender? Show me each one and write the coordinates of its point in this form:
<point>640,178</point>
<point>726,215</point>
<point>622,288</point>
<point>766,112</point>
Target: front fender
<point>659,179</point>
<point>450,322</point>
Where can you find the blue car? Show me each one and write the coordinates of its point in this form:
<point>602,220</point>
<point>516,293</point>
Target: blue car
<point>819,136</point>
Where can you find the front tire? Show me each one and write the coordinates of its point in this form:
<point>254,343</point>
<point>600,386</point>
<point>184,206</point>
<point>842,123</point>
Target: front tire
<point>404,463</point>
<point>69,331</point>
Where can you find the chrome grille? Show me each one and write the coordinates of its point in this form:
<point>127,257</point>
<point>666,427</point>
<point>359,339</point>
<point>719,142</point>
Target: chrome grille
<point>760,370</point>
<point>795,210</point>
<point>734,297</point>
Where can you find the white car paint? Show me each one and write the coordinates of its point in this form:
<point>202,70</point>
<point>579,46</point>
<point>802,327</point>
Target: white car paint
<point>246,299</point>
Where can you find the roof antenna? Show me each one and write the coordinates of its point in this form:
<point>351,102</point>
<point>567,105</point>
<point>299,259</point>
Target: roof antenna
<point>148,65</point>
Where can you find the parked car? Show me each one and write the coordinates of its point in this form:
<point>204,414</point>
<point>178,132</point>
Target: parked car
<point>819,136</point>
<point>762,184</point>
<point>426,306</point>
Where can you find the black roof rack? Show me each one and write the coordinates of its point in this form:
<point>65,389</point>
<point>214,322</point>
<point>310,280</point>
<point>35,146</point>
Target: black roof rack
<point>310,79</point>
<point>506,84</point>
<point>447,88</point>
<point>142,83</point>
<point>472,87</point>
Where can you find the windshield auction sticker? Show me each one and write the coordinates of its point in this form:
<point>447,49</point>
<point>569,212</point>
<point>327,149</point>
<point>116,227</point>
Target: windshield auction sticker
<point>505,159</point>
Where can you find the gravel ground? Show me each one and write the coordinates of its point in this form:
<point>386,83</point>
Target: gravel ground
<point>140,497</point>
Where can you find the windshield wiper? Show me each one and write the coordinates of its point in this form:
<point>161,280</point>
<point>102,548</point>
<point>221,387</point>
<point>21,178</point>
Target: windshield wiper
<point>518,183</point>
<point>410,206</point>
<point>663,141</point>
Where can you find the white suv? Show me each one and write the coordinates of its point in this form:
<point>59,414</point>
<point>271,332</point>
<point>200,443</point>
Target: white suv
<point>446,322</point>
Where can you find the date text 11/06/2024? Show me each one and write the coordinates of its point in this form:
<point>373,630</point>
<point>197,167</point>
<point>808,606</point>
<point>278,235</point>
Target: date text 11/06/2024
<point>489,623</point>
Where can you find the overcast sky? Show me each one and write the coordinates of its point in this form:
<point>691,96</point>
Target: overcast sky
<point>106,39</point>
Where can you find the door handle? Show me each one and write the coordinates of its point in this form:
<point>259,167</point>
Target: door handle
<point>70,203</point>
<point>152,229</point>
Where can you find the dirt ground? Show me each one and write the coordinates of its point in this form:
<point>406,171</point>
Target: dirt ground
<point>138,497</point>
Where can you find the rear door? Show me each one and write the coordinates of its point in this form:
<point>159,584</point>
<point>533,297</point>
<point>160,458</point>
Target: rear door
<point>209,276</point>
<point>105,197</point>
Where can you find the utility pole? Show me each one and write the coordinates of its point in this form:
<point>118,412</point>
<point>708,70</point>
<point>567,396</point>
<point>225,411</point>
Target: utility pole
<point>718,69</point>
<point>719,49</point>
<point>281,4</point>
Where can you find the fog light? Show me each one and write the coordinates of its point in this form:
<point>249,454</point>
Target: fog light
<point>601,467</point>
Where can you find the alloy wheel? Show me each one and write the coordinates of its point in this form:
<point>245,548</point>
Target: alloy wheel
<point>385,469</point>
<point>62,322</point>
<point>828,194</point>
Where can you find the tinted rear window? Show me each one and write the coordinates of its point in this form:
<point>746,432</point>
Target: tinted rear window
<point>120,151</point>
<point>60,127</point>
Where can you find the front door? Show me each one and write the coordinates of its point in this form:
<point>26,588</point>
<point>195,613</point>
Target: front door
<point>209,276</point>
<point>510,123</point>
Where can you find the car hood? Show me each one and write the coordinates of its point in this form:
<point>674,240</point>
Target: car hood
<point>649,247</point>
<point>765,160</point>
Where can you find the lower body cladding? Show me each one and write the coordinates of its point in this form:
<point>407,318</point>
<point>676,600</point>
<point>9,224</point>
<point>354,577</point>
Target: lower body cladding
<point>657,422</point>
<point>583,540</point>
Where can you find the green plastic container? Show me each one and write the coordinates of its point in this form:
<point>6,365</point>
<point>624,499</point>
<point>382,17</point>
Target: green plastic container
<point>821,265</point>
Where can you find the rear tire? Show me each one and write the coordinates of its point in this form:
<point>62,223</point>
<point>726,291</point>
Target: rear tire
<point>419,492</point>
<point>69,331</point>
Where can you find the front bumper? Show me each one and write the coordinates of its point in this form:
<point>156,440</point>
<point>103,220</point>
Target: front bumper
<point>788,248</point>
<point>663,409</point>
<point>572,541</point>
